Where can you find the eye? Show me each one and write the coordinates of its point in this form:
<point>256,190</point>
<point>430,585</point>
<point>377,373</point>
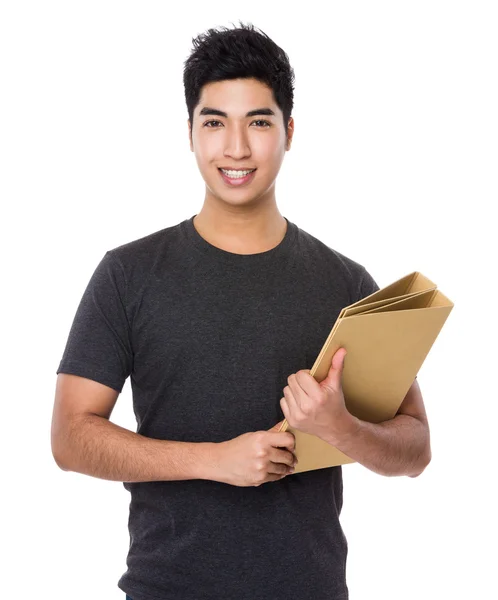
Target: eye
<point>208,123</point>
<point>263,121</point>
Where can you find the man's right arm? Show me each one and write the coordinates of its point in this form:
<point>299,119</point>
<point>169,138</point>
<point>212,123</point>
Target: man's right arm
<point>85,441</point>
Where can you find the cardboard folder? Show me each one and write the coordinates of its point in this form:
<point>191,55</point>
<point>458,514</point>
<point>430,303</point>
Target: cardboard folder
<point>387,335</point>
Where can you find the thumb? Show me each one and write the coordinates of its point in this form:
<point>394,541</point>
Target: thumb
<point>333,379</point>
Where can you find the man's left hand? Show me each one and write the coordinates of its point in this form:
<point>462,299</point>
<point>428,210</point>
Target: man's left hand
<point>318,408</point>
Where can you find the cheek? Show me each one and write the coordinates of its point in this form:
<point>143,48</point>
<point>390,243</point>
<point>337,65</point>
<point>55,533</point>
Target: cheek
<point>204,151</point>
<point>208,147</point>
<point>269,154</point>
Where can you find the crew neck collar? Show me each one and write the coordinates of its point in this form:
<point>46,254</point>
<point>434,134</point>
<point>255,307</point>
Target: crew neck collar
<point>239,259</point>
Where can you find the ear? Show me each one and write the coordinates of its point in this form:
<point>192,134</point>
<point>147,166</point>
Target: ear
<point>290,133</point>
<point>190,135</point>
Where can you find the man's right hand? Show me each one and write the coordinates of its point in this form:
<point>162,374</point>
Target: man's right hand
<point>256,457</point>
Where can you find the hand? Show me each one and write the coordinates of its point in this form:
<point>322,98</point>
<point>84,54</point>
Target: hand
<point>318,408</point>
<point>255,457</point>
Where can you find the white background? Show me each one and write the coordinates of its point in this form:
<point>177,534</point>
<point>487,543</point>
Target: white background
<point>393,163</point>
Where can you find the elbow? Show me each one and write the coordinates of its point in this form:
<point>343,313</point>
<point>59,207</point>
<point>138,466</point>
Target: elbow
<point>423,464</point>
<point>60,465</point>
<point>59,461</point>
<point>60,436</point>
<point>59,455</point>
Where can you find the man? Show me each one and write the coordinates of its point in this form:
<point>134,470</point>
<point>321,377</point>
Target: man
<point>217,321</point>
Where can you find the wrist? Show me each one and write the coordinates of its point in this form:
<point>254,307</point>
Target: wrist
<point>209,459</point>
<point>347,430</point>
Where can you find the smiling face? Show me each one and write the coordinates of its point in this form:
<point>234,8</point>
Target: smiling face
<point>238,125</point>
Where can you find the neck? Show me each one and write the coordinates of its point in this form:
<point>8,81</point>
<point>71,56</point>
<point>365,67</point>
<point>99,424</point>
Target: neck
<point>248,231</point>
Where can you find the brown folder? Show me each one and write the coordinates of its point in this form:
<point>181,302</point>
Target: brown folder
<point>387,336</point>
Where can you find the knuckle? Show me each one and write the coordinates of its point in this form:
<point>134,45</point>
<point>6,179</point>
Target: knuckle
<point>261,453</point>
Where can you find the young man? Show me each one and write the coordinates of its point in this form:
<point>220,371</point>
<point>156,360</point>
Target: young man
<point>217,321</point>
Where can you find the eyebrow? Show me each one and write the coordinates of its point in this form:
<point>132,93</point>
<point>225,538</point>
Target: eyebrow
<point>252,113</point>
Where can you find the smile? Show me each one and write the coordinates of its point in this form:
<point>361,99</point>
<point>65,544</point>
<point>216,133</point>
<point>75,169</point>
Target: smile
<point>236,177</point>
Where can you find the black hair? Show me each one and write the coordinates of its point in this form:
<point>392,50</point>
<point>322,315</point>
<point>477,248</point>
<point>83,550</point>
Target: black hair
<point>242,52</point>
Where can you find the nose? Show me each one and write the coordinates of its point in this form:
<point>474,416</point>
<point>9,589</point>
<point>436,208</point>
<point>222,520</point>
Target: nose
<point>237,143</point>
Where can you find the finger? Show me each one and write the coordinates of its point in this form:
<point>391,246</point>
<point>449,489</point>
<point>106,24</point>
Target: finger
<point>307,383</point>
<point>281,456</point>
<point>277,468</point>
<point>294,385</point>
<point>292,403</point>
<point>283,439</point>
<point>290,414</point>
<point>292,407</point>
<point>272,477</point>
<point>334,376</point>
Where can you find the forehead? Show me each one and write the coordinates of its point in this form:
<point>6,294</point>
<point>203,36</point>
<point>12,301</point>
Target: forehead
<point>237,96</point>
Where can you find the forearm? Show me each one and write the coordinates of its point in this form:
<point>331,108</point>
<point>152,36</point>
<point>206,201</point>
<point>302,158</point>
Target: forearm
<point>399,446</point>
<point>95,446</point>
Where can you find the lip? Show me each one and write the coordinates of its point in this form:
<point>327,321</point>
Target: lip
<point>237,168</point>
<point>236,182</point>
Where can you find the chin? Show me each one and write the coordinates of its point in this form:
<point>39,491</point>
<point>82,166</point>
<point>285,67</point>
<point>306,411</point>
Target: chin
<point>236,200</point>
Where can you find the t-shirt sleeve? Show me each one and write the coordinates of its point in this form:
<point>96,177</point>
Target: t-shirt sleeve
<point>99,342</point>
<point>368,285</point>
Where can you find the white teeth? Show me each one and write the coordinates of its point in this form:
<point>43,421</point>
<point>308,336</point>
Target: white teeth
<point>236,174</point>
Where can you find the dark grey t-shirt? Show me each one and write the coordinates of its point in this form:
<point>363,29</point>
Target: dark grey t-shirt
<point>208,338</point>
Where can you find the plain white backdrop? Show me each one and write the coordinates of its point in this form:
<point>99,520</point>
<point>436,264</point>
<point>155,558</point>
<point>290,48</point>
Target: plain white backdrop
<point>394,163</point>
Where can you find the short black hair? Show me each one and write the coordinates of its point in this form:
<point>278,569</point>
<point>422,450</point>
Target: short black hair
<point>242,52</point>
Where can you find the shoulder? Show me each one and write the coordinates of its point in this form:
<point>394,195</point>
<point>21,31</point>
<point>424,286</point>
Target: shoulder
<point>322,258</point>
<point>135,262</point>
<point>146,246</point>
<point>155,251</point>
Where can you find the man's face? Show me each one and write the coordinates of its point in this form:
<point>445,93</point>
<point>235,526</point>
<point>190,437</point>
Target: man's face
<point>238,141</point>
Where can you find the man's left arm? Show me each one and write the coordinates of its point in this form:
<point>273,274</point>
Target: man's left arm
<point>399,446</point>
